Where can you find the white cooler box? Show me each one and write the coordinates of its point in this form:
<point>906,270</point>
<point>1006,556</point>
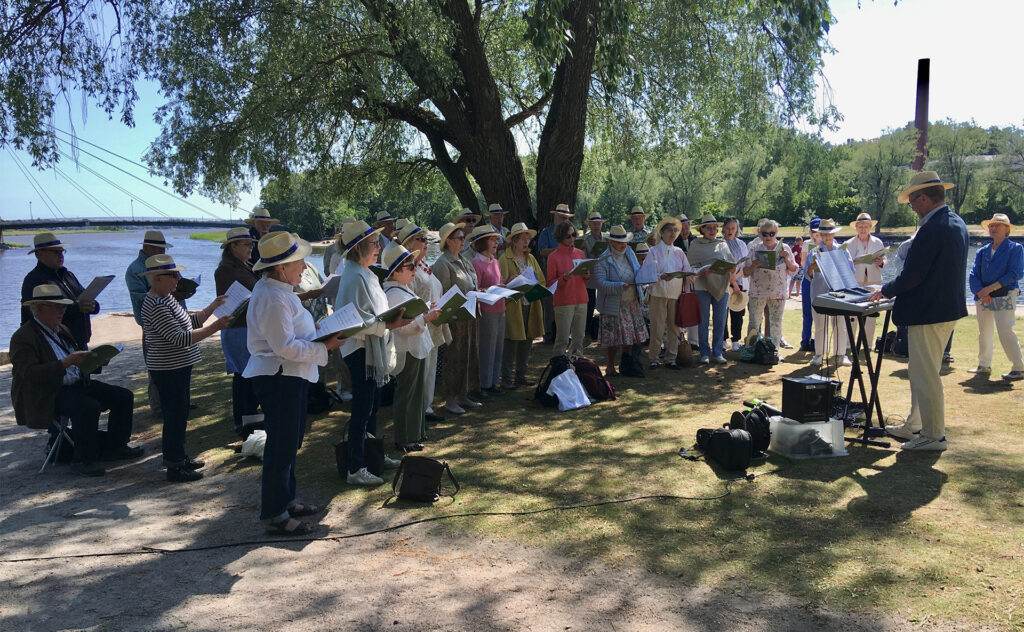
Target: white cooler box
<point>816,440</point>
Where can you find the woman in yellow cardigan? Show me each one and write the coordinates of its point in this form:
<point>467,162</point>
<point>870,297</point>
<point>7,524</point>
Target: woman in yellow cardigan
<point>524,321</point>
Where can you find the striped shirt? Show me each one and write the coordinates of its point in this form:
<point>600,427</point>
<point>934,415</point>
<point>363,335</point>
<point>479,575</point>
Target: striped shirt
<point>168,331</point>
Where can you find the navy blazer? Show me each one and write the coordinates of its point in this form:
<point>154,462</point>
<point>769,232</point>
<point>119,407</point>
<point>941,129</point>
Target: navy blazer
<point>76,321</point>
<point>932,287</point>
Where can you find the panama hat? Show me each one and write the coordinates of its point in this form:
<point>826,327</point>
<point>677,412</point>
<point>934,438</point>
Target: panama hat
<point>408,231</point>
<point>495,208</point>
<point>520,227</point>
<point>393,257</point>
<point>466,215</point>
<point>683,219</point>
<point>156,238</point>
<point>665,222</point>
<point>618,233</point>
<point>828,226</point>
<point>738,301</point>
<point>595,217</point>
<point>355,232</point>
<point>642,248</point>
<point>383,216</point>
<point>47,293</point>
<point>260,213</point>
<point>44,241</point>
<point>706,219</point>
<point>159,264</point>
<point>864,217</point>
<point>482,232</point>
<point>401,223</point>
<point>445,232</point>
<point>562,209</point>
<point>278,248</point>
<point>637,210</point>
<point>922,180</point>
<point>998,218</point>
<point>236,235</point>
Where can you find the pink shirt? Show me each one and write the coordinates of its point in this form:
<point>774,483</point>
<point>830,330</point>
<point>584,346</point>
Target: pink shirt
<point>488,273</point>
<point>573,291</point>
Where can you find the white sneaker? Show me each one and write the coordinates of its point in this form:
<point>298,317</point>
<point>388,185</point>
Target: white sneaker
<point>816,360</point>
<point>980,369</point>
<point>736,346</point>
<point>454,409</point>
<point>469,403</point>
<point>363,477</point>
<point>784,344</point>
<point>705,360</point>
<point>903,431</point>
<point>846,361</point>
<point>924,443</point>
<point>718,359</point>
<point>391,464</point>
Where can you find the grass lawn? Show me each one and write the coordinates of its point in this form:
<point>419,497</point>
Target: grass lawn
<point>217,237</point>
<point>923,536</point>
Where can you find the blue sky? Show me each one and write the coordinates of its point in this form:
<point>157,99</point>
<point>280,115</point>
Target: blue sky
<point>973,45</point>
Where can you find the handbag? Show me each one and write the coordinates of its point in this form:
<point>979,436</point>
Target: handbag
<point>419,478</point>
<point>373,456</point>
<point>687,310</point>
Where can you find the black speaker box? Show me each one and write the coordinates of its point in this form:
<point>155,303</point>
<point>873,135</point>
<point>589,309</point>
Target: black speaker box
<point>806,399</point>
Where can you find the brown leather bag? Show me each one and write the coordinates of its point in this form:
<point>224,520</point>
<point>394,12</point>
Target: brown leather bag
<point>419,478</point>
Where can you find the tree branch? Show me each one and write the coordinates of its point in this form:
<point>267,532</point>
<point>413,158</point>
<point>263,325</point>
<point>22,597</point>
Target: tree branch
<point>530,111</point>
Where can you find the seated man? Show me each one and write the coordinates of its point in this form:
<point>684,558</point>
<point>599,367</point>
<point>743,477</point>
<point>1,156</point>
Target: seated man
<point>46,383</point>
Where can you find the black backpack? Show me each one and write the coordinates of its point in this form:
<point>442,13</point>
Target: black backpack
<point>754,421</point>
<point>731,448</point>
<point>765,352</point>
<point>630,365</point>
<point>556,366</point>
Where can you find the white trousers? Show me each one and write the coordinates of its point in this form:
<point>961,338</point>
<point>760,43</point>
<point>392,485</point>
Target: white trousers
<point>1002,322</point>
<point>836,331</point>
<point>927,400</point>
<point>776,310</point>
<point>430,380</point>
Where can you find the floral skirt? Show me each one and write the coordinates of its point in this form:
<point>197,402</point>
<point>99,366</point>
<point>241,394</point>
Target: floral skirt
<point>628,328</point>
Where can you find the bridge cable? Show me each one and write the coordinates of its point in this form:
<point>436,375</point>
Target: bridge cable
<point>40,191</point>
<point>117,186</point>
<point>89,196</point>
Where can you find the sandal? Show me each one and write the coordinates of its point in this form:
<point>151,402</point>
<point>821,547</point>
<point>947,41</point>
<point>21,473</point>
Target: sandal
<point>299,510</point>
<point>281,528</point>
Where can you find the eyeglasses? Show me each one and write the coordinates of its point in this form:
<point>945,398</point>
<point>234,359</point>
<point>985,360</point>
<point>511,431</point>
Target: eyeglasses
<point>771,234</point>
<point>913,197</point>
<point>458,238</point>
<point>53,251</point>
<point>407,266</point>
<point>421,239</point>
<point>176,275</point>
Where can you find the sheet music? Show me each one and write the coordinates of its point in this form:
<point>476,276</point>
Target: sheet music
<point>345,318</point>
<point>836,269</point>
<point>95,287</point>
<point>330,286</point>
<point>237,294</point>
<point>526,279</point>
<point>470,304</point>
<point>447,296</point>
<point>648,272</point>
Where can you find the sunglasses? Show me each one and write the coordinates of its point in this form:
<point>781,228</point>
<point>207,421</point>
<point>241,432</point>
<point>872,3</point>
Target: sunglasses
<point>913,197</point>
<point>55,251</point>
<point>421,239</point>
<point>176,275</point>
<point>771,234</point>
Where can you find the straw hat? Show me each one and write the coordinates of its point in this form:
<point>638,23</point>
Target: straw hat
<point>236,235</point>
<point>47,293</point>
<point>706,219</point>
<point>393,257</point>
<point>44,241</point>
<point>595,217</point>
<point>482,232</point>
<point>278,248</point>
<point>998,218</point>
<point>445,232</point>
<point>383,216</point>
<point>683,219</point>
<point>401,223</point>
<point>828,226</point>
<point>642,248</point>
<point>156,238</point>
<point>665,222</point>
<point>260,213</point>
<point>618,233</point>
<point>864,217</point>
<point>495,208</point>
<point>466,215</point>
<point>922,180</point>
<point>408,231</point>
<point>637,210</point>
<point>353,233</point>
<point>738,301</point>
<point>158,264</point>
<point>562,209</point>
<point>518,228</point>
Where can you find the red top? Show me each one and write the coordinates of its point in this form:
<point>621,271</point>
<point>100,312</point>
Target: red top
<point>488,273</point>
<point>573,291</point>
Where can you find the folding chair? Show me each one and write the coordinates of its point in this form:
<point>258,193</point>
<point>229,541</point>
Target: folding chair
<point>62,424</point>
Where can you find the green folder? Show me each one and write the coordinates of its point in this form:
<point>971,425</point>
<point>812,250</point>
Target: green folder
<point>537,292</point>
<point>239,316</point>
<point>187,285</point>
<point>413,308</point>
<point>99,356</point>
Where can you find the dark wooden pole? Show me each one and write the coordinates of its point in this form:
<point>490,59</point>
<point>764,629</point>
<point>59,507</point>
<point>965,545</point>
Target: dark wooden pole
<point>921,114</point>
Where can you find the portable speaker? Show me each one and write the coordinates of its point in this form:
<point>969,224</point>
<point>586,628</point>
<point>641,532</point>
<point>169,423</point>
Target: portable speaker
<point>806,399</point>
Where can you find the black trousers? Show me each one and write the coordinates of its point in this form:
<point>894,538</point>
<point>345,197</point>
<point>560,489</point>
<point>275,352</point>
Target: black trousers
<point>243,401</point>
<point>734,325</point>
<point>83,402</point>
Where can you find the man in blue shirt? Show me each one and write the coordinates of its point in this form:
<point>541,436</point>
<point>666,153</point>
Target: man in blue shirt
<point>930,298</point>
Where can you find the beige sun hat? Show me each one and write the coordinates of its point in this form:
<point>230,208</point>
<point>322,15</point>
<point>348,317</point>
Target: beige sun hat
<point>281,247</point>
<point>158,264</point>
<point>706,219</point>
<point>738,301</point>
<point>519,228</point>
<point>562,209</point>
<point>922,180</point>
<point>482,232</point>
<point>642,248</point>
<point>47,293</point>
<point>355,232</point>
<point>44,241</point>
<point>495,208</point>
<point>466,215</point>
<point>864,217</point>
<point>156,238</point>
<point>445,232</point>
<point>383,216</point>
<point>401,223</point>
<point>595,217</point>
<point>408,231</point>
<point>393,257</point>
<point>637,210</point>
<point>260,213</point>
<point>618,233</point>
<point>828,226</point>
<point>665,222</point>
<point>236,235</point>
<point>683,219</point>
<point>998,218</point>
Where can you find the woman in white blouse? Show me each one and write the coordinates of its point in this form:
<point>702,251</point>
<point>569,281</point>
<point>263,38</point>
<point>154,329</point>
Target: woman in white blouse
<point>283,361</point>
<point>663,295</point>
<point>861,245</point>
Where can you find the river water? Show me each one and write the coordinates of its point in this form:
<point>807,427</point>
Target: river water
<point>95,254</point>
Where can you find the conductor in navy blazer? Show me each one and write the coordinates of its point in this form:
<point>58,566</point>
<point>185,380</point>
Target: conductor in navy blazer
<point>930,296</point>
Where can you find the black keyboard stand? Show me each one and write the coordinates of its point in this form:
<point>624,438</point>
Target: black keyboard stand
<point>872,403</point>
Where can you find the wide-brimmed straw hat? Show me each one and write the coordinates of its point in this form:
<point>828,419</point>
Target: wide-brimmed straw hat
<point>864,217</point>
<point>282,247</point>
<point>595,217</point>
<point>383,216</point>
<point>45,241</point>
<point>665,222</point>
<point>495,208</point>
<point>519,228</point>
<point>236,235</point>
<point>355,232</point>
<point>706,219</point>
<point>738,301</point>
<point>47,293</point>
<point>158,264</point>
<point>618,233</point>
<point>562,209</point>
<point>260,213</point>
<point>445,232</point>
<point>408,231</point>
<point>828,226</point>
<point>401,223</point>
<point>998,218</point>
<point>642,248</point>
<point>637,210</point>
<point>683,219</point>
<point>482,232</point>
<point>393,257</point>
<point>156,238</point>
<point>922,180</point>
<point>465,215</point>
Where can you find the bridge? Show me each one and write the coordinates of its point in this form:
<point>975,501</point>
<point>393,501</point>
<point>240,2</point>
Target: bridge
<point>118,222</point>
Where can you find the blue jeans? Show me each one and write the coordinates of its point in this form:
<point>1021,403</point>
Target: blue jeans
<point>805,307</point>
<point>175,388</point>
<point>365,402</point>
<point>284,399</point>
<point>707,303</point>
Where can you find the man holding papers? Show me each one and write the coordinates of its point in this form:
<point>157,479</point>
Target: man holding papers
<point>867,268</point>
<point>49,252</point>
